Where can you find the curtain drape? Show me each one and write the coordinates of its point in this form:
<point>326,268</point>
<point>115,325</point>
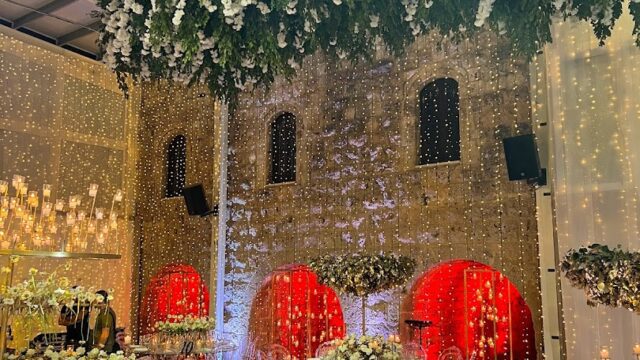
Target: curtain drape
<point>593,104</point>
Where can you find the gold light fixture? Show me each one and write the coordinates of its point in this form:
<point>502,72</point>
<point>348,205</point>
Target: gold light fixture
<point>34,224</point>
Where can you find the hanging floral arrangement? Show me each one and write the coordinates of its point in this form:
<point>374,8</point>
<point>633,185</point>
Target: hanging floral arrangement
<point>233,44</point>
<point>362,274</point>
<point>609,277</point>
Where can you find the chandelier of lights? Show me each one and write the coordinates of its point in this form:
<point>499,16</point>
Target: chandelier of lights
<point>33,223</point>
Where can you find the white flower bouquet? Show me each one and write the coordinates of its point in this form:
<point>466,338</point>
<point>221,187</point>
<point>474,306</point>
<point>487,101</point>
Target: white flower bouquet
<point>44,293</point>
<point>364,348</point>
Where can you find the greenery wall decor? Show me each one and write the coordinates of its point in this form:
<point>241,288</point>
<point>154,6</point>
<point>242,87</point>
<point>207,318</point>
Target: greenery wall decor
<point>609,277</point>
<point>233,44</point>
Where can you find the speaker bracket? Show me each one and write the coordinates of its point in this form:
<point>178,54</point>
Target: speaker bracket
<point>214,211</point>
<point>540,180</point>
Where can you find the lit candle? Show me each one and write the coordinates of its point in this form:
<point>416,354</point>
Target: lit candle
<point>17,181</point>
<point>117,197</point>
<point>46,190</point>
<point>33,198</point>
<point>604,354</point>
<point>59,205</point>
<point>99,213</point>
<point>71,219</point>
<point>73,202</point>
<point>636,349</point>
<point>93,190</point>
<point>46,209</point>
<point>4,187</point>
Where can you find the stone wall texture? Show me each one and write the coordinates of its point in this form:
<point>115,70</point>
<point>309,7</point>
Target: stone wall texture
<point>358,187</point>
<point>165,234</point>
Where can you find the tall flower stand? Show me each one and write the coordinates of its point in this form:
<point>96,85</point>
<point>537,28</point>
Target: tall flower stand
<point>5,311</point>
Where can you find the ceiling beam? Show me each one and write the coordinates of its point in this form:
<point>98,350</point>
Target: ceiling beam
<point>41,11</point>
<point>69,37</point>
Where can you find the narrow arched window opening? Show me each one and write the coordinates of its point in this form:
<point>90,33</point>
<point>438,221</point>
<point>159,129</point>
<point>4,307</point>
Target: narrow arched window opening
<point>282,149</point>
<point>439,126</point>
<point>176,166</point>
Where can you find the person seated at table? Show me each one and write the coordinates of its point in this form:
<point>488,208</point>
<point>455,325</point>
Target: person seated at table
<point>103,319</point>
<point>76,320</point>
<point>121,344</point>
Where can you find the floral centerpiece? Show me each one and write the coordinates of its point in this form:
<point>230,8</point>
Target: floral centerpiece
<point>179,324</point>
<point>184,334</point>
<point>362,274</point>
<point>364,348</point>
<point>608,277</point>
<point>78,354</point>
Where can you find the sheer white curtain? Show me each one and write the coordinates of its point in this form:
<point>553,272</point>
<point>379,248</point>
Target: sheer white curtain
<point>593,104</point>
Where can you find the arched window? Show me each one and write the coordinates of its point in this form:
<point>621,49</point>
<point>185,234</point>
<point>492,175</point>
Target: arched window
<point>439,126</point>
<point>282,149</point>
<point>176,166</point>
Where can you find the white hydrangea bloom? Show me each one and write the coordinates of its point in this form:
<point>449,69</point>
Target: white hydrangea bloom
<point>282,39</point>
<point>291,7</point>
<point>484,11</point>
<point>264,8</point>
<point>375,20</point>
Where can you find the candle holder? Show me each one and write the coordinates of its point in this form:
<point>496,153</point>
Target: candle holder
<point>33,223</point>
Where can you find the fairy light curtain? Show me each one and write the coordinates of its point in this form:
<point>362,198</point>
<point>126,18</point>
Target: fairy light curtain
<point>176,289</point>
<point>594,112</point>
<point>293,310</point>
<point>439,122</point>
<point>176,166</point>
<point>484,316</point>
<point>64,122</point>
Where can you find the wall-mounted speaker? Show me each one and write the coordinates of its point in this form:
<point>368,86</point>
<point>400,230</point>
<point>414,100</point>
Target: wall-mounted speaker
<point>523,163</point>
<point>196,201</point>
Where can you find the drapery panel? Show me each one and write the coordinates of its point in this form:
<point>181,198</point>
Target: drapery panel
<point>593,104</point>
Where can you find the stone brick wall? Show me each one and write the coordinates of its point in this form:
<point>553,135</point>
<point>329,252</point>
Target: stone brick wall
<point>165,233</point>
<point>358,186</point>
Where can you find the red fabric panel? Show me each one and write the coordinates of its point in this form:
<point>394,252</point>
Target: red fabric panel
<point>453,295</point>
<point>176,289</point>
<point>293,310</point>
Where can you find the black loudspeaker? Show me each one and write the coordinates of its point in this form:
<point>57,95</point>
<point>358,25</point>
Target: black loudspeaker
<point>522,158</point>
<point>196,202</point>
